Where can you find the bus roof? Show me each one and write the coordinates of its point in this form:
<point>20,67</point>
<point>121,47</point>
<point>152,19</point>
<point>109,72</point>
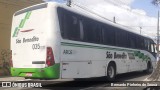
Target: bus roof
<point>79,11</point>
<point>30,8</point>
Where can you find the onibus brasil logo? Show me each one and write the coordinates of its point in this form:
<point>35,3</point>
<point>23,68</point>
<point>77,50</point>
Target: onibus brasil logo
<point>21,25</point>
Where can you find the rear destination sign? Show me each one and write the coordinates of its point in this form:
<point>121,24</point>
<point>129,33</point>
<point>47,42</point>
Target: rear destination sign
<point>27,40</point>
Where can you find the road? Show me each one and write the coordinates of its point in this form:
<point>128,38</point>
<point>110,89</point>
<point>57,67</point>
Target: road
<point>88,84</point>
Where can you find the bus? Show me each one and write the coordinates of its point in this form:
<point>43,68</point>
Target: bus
<point>54,41</point>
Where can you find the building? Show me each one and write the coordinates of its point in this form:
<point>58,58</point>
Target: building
<point>7,8</point>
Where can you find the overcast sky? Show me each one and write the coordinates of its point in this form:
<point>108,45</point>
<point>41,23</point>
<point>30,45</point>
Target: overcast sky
<point>131,13</point>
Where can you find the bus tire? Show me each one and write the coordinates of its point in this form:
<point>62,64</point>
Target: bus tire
<point>149,68</point>
<point>111,71</point>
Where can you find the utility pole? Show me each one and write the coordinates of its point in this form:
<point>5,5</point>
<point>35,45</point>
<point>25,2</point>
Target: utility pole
<point>140,29</point>
<point>158,36</point>
<point>114,19</point>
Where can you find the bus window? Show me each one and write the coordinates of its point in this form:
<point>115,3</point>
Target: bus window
<point>71,27</point>
<point>97,33</point>
<point>121,38</point>
<point>140,42</point>
<point>108,36</point>
<point>91,31</point>
<point>81,30</point>
<point>132,40</point>
<point>145,44</point>
<point>149,46</point>
<point>152,48</point>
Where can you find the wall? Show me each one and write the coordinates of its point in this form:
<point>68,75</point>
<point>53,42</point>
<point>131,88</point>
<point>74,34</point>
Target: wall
<point>7,8</point>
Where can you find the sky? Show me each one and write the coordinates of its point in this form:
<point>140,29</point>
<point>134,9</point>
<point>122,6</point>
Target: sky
<point>140,15</point>
<point>145,5</point>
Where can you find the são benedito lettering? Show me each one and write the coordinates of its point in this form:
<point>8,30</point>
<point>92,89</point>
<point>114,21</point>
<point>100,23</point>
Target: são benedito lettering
<point>33,39</point>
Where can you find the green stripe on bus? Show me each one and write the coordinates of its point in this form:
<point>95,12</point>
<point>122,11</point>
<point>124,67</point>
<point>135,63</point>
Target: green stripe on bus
<point>28,15</point>
<point>15,32</point>
<point>93,46</point>
<point>136,53</point>
<point>52,72</point>
<point>22,22</point>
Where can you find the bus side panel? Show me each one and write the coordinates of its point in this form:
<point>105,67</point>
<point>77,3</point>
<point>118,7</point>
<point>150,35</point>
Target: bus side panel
<point>94,59</point>
<point>75,53</point>
<point>83,69</point>
<point>76,70</point>
<point>87,62</point>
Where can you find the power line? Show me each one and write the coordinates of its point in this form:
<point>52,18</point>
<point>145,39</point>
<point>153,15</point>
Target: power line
<point>87,9</point>
<point>133,29</point>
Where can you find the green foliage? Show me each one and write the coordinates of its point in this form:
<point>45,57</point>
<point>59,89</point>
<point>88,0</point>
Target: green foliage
<point>156,2</point>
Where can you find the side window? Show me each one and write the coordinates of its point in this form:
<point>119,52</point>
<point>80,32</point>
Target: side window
<point>132,40</point>
<point>149,45</point>
<point>97,33</point>
<point>153,47</point>
<point>140,43</point>
<point>146,44</point>
<point>61,18</point>
<point>81,26</point>
<point>71,27</point>
<point>108,36</point>
<point>121,38</point>
<point>91,31</point>
<point>69,24</point>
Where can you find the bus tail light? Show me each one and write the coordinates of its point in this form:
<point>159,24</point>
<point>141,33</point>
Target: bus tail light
<point>50,57</point>
<point>11,63</point>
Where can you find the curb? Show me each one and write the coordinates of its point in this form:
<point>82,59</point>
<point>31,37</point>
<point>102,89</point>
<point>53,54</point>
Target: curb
<point>10,78</point>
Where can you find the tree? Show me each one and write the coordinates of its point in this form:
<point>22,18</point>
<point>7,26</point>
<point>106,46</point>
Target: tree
<point>156,2</point>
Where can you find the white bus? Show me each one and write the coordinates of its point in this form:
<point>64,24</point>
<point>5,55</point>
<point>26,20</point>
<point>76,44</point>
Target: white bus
<point>51,40</point>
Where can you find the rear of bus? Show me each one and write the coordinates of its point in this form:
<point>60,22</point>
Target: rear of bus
<point>33,43</point>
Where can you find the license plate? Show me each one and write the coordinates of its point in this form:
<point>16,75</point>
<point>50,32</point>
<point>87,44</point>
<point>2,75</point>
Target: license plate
<point>29,74</point>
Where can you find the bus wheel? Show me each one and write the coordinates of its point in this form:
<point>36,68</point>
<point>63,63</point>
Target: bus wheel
<point>111,72</point>
<point>149,68</point>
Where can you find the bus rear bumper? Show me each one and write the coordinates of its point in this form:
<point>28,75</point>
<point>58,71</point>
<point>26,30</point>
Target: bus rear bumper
<point>51,72</point>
